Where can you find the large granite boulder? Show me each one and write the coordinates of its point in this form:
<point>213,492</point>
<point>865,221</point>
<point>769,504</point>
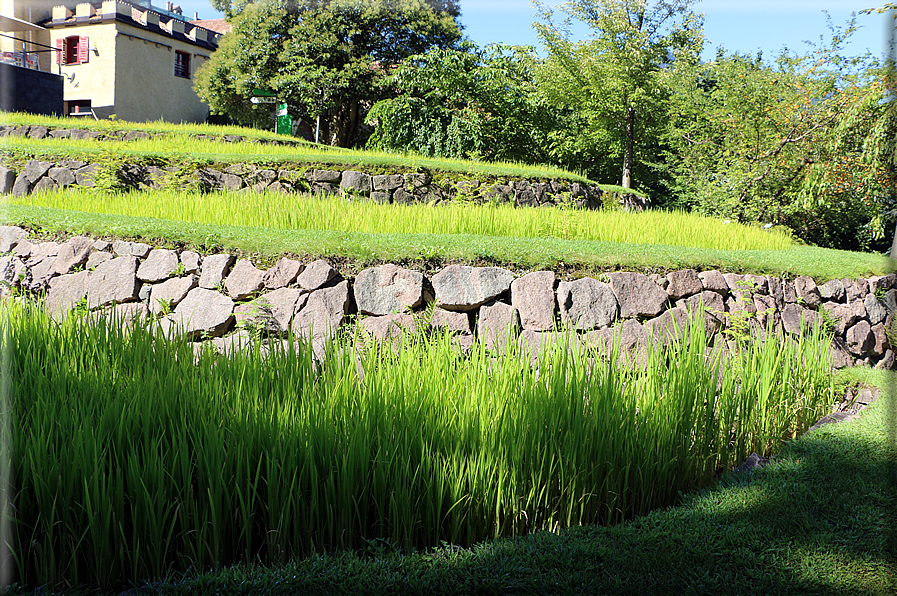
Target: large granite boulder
<point>807,291</point>
<point>684,283</point>
<point>203,313</point>
<point>158,265</point>
<point>114,281</point>
<point>534,345</point>
<point>451,321</point>
<point>463,288</point>
<point>284,303</point>
<point>66,291</point>
<point>637,294</point>
<point>356,182</point>
<point>282,274</point>
<point>215,269</point>
<point>164,297</point>
<point>316,275</point>
<point>12,270</point>
<point>7,182</point>
<point>496,323</point>
<point>533,297</point>
<point>10,236</point>
<point>586,304</point>
<point>72,253</point>
<point>797,319</point>
<point>127,249</point>
<point>388,289</point>
<point>392,328</point>
<point>832,290</point>
<point>256,317</point>
<point>860,339</point>
<point>670,326</point>
<point>38,275</point>
<point>839,356</point>
<point>323,313</point>
<point>244,280</point>
<point>875,310</point>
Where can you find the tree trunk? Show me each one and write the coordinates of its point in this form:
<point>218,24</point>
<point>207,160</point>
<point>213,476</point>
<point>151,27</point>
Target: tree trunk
<point>346,122</point>
<point>894,244</point>
<point>629,150</point>
<point>629,201</point>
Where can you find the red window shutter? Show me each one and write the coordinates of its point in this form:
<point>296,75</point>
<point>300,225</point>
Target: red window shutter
<point>60,53</point>
<point>82,49</point>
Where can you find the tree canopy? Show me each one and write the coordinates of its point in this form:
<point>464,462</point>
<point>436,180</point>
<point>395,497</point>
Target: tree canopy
<point>322,57</point>
<point>611,80</point>
<point>799,142</point>
<point>467,102</point>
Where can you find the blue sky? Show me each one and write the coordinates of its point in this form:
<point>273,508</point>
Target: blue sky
<point>737,25</point>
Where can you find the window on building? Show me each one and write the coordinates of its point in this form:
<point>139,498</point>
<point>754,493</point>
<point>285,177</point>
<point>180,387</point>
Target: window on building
<point>182,64</point>
<point>80,107</point>
<point>72,49</point>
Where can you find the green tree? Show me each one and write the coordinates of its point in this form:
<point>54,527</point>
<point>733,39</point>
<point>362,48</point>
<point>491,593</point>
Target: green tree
<point>787,143</point>
<point>470,103</point>
<point>248,57</point>
<point>322,57</point>
<point>610,83</point>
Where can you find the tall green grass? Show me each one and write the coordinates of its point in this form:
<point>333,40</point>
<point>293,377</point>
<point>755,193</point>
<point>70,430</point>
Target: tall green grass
<point>135,456</point>
<point>334,213</point>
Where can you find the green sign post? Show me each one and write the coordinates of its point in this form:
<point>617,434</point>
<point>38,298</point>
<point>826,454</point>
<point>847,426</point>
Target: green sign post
<point>284,120</point>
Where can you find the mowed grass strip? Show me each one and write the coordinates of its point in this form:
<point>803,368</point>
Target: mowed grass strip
<point>339,214</point>
<point>105,125</point>
<point>353,251</point>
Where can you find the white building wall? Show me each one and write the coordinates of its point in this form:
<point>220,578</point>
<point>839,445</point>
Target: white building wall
<point>146,87</point>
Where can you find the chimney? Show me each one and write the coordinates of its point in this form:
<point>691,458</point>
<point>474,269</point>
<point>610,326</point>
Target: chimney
<point>176,26</point>
<point>84,11</point>
<point>113,7</point>
<point>195,16</point>
<point>198,34</point>
<point>61,13</point>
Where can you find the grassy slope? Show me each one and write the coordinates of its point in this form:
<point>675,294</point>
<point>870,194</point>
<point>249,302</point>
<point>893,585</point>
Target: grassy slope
<point>821,519</point>
<point>179,145</point>
<point>353,251</point>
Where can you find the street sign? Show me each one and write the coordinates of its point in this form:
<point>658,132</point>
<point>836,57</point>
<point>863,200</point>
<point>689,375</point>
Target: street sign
<point>263,93</point>
<point>284,125</point>
<point>263,100</point>
<point>282,110</point>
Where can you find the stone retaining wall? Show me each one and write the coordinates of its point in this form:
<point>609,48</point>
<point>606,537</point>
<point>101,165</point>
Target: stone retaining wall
<point>224,299</point>
<point>418,187</point>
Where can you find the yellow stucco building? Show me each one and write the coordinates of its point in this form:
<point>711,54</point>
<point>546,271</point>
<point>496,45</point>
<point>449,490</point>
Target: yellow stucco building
<point>128,59</point>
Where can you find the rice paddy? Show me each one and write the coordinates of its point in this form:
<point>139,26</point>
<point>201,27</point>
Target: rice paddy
<point>134,456</point>
<point>272,210</point>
